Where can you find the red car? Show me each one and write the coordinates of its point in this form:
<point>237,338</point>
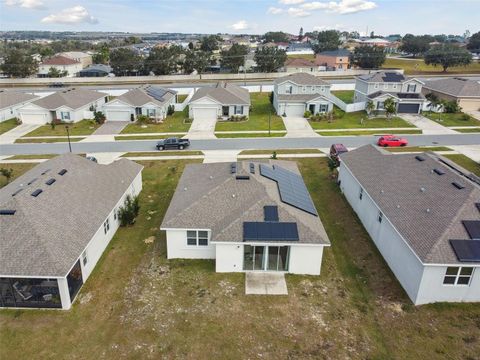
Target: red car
<point>391,140</point>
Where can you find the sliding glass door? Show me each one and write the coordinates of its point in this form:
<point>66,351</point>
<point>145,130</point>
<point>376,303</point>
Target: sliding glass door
<point>260,257</point>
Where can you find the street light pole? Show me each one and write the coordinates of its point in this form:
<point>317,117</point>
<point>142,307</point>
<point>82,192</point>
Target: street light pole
<point>269,120</point>
<point>68,136</point>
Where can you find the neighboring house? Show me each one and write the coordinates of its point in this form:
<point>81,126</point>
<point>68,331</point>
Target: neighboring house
<point>60,63</point>
<point>336,59</point>
<point>83,58</point>
<point>70,105</point>
<point>95,70</point>
<point>424,217</point>
<point>296,93</point>
<point>11,101</point>
<point>295,65</point>
<point>248,216</point>
<point>464,91</point>
<point>219,102</point>
<point>299,48</point>
<point>57,219</point>
<point>379,86</point>
<point>151,101</point>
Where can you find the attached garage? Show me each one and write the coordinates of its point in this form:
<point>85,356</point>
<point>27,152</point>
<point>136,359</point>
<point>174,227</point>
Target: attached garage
<point>118,115</point>
<point>409,108</point>
<point>34,118</point>
<point>204,113</point>
<point>294,109</point>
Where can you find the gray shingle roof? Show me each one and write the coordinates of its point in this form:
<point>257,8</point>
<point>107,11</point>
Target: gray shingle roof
<point>338,52</point>
<point>299,97</point>
<point>73,98</point>
<point>11,98</point>
<point>140,97</point>
<point>384,76</point>
<point>49,232</point>
<point>224,93</point>
<point>97,67</point>
<point>395,182</point>
<point>455,86</point>
<point>302,79</point>
<point>208,196</point>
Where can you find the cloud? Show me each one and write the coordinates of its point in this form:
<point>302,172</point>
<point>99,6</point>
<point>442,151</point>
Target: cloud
<point>75,15</point>
<point>329,27</point>
<point>27,4</point>
<point>291,2</point>
<point>240,25</point>
<point>274,10</point>
<point>298,12</point>
<point>341,7</point>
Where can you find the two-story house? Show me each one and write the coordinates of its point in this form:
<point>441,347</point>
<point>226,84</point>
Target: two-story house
<point>296,93</point>
<point>64,65</point>
<point>379,86</point>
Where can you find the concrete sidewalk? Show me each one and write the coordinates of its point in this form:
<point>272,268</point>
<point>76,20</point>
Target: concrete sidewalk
<point>10,136</point>
<point>298,127</point>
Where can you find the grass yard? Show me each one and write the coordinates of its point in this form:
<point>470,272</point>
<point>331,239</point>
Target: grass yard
<point>137,304</point>
<point>84,127</point>
<point>413,67</point>
<point>345,95</point>
<point>8,125</point>
<point>248,135</point>
<point>367,132</point>
<point>417,149</point>
<point>258,118</point>
<point>181,98</point>
<point>465,162</point>
<point>302,56</point>
<point>172,123</point>
<point>455,119</point>
<point>18,169</point>
<point>281,151</point>
<point>469,130</point>
<point>162,153</point>
<point>48,140</point>
<point>34,156</point>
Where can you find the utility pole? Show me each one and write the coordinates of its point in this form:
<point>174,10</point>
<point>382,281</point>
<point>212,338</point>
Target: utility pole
<point>269,120</point>
<point>68,136</point>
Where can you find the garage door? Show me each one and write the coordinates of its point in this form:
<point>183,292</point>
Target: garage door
<point>294,109</point>
<point>118,115</point>
<point>204,113</point>
<point>408,108</point>
<point>34,118</point>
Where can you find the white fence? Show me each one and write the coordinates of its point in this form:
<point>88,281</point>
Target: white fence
<point>181,106</point>
<point>358,106</point>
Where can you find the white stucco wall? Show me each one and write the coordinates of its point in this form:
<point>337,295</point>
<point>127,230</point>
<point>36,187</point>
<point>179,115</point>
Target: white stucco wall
<point>306,260</point>
<point>177,247</point>
<point>229,257</point>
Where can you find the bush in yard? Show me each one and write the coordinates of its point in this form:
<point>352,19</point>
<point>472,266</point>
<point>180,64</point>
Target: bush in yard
<point>274,155</point>
<point>170,110</point>
<point>270,97</point>
<point>99,117</point>
<point>369,107</point>
<point>307,114</point>
<point>52,125</point>
<point>451,107</point>
<point>128,213</point>
<point>7,173</point>
<point>465,117</point>
<point>338,113</point>
<point>390,107</point>
<point>142,119</point>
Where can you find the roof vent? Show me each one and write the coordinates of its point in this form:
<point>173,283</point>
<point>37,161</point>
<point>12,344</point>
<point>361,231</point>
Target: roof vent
<point>32,181</point>
<point>420,158</point>
<point>458,185</point>
<point>422,189</point>
<point>46,171</point>
<point>50,181</point>
<point>37,192</point>
<point>7,212</point>
<point>242,177</point>
<point>428,210</point>
<point>439,171</point>
<point>252,168</point>
<point>16,192</point>
<point>233,168</point>
<point>62,172</point>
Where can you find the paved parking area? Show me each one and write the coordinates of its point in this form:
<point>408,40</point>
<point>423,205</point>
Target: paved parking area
<point>265,283</point>
<point>298,127</point>
<point>202,129</point>
<point>111,128</point>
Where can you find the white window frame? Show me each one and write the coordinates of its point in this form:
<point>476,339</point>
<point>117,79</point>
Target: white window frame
<point>414,86</point>
<point>323,108</point>
<point>304,88</point>
<point>458,275</point>
<point>238,109</point>
<point>115,214</point>
<point>197,238</point>
<point>151,112</point>
<point>106,226</point>
<point>376,86</point>
<point>63,116</point>
<point>289,89</point>
<point>84,258</point>
<point>385,86</point>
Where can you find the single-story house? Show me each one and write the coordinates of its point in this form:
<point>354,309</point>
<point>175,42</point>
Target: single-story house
<point>336,59</point>
<point>62,64</point>
<point>57,219</point>
<point>82,57</point>
<point>465,92</point>
<point>70,105</point>
<point>423,214</point>
<point>248,216</point>
<point>96,70</point>
<point>152,101</point>
<point>219,102</point>
<point>11,101</point>
<point>295,65</point>
<point>296,93</point>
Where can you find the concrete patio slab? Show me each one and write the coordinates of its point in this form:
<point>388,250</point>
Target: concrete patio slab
<point>265,283</point>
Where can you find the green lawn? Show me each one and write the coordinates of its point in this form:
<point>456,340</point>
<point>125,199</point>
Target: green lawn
<point>48,140</point>
<point>172,123</point>
<point>249,135</point>
<point>35,156</point>
<point>302,56</point>
<point>465,162</point>
<point>260,111</point>
<point>281,151</point>
<point>455,119</point>
<point>367,132</point>
<point>18,169</point>
<point>138,305</point>
<point>469,130</point>
<point>345,95</point>
<point>8,125</point>
<point>417,148</point>
<point>84,127</point>
<point>162,153</point>
<point>352,120</point>
<point>413,67</point>
<point>181,98</point>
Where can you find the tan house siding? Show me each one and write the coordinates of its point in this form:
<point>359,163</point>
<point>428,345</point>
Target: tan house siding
<point>338,62</point>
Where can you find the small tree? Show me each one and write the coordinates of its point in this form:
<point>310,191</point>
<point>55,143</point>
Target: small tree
<point>434,101</point>
<point>128,213</point>
<point>8,173</point>
<point>274,155</point>
<point>369,107</point>
<point>390,107</point>
<point>170,109</point>
<point>142,119</point>
<point>99,117</point>
<point>451,106</point>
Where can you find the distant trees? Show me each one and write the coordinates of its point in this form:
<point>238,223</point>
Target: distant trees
<point>102,56</point>
<point>55,73</point>
<point>209,43</point>
<point>18,63</point>
<point>416,45</point>
<point>234,57</point>
<point>125,62</point>
<point>270,59</point>
<point>163,61</point>
<point>447,55</point>
<point>368,57</point>
<point>474,42</point>
<point>276,36</point>
<point>327,40</point>
<point>195,60</point>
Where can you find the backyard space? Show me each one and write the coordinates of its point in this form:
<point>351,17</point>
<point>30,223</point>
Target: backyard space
<point>465,162</point>
<point>452,119</point>
<point>83,127</point>
<point>418,66</point>
<point>172,123</point>
<point>139,305</point>
<point>17,170</point>
<point>260,111</point>
<point>345,95</point>
<point>181,98</point>
<point>8,125</point>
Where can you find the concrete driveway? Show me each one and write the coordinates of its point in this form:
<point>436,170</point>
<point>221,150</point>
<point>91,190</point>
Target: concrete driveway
<point>111,128</point>
<point>428,126</point>
<point>202,129</point>
<point>10,136</point>
<point>265,283</point>
<point>298,127</point>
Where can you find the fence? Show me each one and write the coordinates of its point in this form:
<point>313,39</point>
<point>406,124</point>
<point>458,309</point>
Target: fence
<point>358,106</point>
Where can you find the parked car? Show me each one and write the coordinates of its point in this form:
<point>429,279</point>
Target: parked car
<point>336,150</point>
<point>57,85</point>
<point>391,140</point>
<point>173,143</point>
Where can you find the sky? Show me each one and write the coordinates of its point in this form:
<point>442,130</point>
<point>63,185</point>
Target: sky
<point>384,17</point>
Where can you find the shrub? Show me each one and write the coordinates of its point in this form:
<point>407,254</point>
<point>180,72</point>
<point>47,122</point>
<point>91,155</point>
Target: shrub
<point>143,119</point>
<point>451,107</point>
<point>270,97</point>
<point>465,117</point>
<point>338,113</point>
<point>274,155</point>
<point>52,125</point>
<point>8,173</point>
<point>170,109</point>
<point>99,117</point>
<point>307,114</point>
<point>128,213</point>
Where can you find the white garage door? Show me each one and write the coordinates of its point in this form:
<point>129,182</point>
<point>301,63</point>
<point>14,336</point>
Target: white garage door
<point>118,115</point>
<point>204,113</point>
<point>294,109</point>
<point>34,118</point>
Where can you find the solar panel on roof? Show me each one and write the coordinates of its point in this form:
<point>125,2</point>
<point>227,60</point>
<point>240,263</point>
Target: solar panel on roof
<point>466,250</point>
<point>37,192</point>
<point>7,212</point>
<point>270,213</point>
<point>242,177</point>
<point>473,228</point>
<point>393,77</point>
<point>291,187</point>
<point>156,92</point>
<point>270,231</point>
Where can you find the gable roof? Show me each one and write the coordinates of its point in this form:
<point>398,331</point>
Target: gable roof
<point>75,54</point>
<point>384,76</point>
<point>72,98</point>
<point>96,68</point>
<point>224,93</point>
<point>302,79</point>
<point>59,60</point>
<point>48,233</point>
<point>209,196</point>
<point>299,62</point>
<point>11,98</point>
<point>424,207</point>
<point>335,53</point>
<point>455,86</point>
<point>144,95</point>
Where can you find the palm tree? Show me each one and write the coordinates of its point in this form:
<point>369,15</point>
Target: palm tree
<point>390,107</point>
<point>369,107</point>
